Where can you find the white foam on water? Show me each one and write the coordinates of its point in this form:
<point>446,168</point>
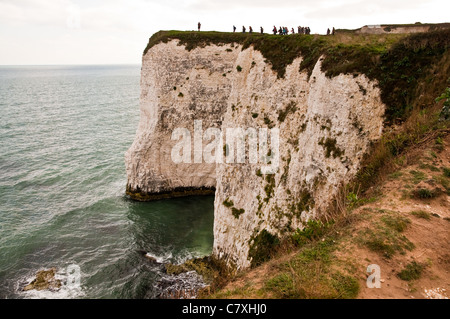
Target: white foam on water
<point>64,292</point>
<point>160,259</point>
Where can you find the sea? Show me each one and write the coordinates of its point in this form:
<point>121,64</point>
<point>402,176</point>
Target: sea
<point>64,131</point>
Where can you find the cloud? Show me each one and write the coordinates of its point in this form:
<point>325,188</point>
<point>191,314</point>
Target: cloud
<point>86,31</point>
<point>379,11</point>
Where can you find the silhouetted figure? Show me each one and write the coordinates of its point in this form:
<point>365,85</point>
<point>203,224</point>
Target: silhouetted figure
<point>299,29</point>
<point>250,29</point>
<point>262,30</point>
<point>334,30</point>
<point>280,31</point>
<point>199,26</point>
<point>274,30</point>
<point>292,31</point>
<point>243,29</point>
<point>234,29</point>
<point>328,31</point>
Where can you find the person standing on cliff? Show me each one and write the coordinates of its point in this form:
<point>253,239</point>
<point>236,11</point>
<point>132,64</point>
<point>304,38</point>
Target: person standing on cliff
<point>262,30</point>
<point>199,26</point>
<point>328,31</point>
<point>234,29</point>
<point>334,30</point>
<point>274,30</point>
<point>250,29</point>
<point>243,29</point>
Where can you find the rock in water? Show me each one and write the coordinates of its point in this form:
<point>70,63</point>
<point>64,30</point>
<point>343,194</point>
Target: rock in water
<point>45,280</point>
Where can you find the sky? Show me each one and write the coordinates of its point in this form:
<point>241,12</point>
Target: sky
<point>60,32</point>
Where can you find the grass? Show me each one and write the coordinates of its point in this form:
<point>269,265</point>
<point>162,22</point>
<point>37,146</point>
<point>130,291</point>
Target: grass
<point>396,222</point>
<point>421,214</point>
<point>446,171</point>
<point>424,193</point>
<point>381,160</point>
<point>417,176</point>
<point>395,175</point>
<point>313,230</point>
<point>385,236</point>
<point>429,167</point>
<point>444,181</point>
<point>412,271</point>
<point>310,275</point>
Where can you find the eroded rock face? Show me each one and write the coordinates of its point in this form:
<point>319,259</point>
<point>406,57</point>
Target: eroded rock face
<point>45,280</point>
<point>325,127</point>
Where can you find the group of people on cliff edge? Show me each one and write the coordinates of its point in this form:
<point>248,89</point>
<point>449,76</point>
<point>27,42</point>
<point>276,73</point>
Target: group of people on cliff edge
<point>280,30</point>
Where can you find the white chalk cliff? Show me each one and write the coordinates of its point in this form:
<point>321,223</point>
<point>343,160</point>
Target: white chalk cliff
<point>326,125</point>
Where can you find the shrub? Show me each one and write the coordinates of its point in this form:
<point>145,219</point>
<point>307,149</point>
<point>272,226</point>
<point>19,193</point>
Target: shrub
<point>446,171</point>
<point>424,193</point>
<point>313,230</point>
<point>261,247</point>
<point>412,271</point>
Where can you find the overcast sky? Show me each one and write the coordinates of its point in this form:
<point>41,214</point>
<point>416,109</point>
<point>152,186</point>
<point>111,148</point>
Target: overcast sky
<point>116,32</point>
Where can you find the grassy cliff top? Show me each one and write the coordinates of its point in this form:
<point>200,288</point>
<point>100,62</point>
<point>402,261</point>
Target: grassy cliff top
<point>404,65</point>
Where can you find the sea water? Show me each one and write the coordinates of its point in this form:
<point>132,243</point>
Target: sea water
<point>63,134</point>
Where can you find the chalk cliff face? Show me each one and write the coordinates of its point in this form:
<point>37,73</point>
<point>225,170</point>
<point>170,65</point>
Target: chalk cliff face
<point>325,127</point>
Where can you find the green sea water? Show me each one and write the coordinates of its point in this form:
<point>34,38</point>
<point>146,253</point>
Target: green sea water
<point>63,134</point>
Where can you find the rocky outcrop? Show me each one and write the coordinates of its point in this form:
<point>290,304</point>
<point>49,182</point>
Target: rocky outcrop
<point>45,280</point>
<point>177,88</point>
<point>402,28</point>
<point>325,127</point>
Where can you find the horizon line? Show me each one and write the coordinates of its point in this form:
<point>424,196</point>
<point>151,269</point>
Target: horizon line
<point>74,64</point>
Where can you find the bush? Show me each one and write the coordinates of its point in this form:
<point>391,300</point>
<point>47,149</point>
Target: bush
<point>424,193</point>
<point>262,247</point>
<point>412,271</point>
<point>313,230</point>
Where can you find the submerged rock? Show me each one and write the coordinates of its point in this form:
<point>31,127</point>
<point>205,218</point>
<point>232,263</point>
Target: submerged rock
<point>45,280</point>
